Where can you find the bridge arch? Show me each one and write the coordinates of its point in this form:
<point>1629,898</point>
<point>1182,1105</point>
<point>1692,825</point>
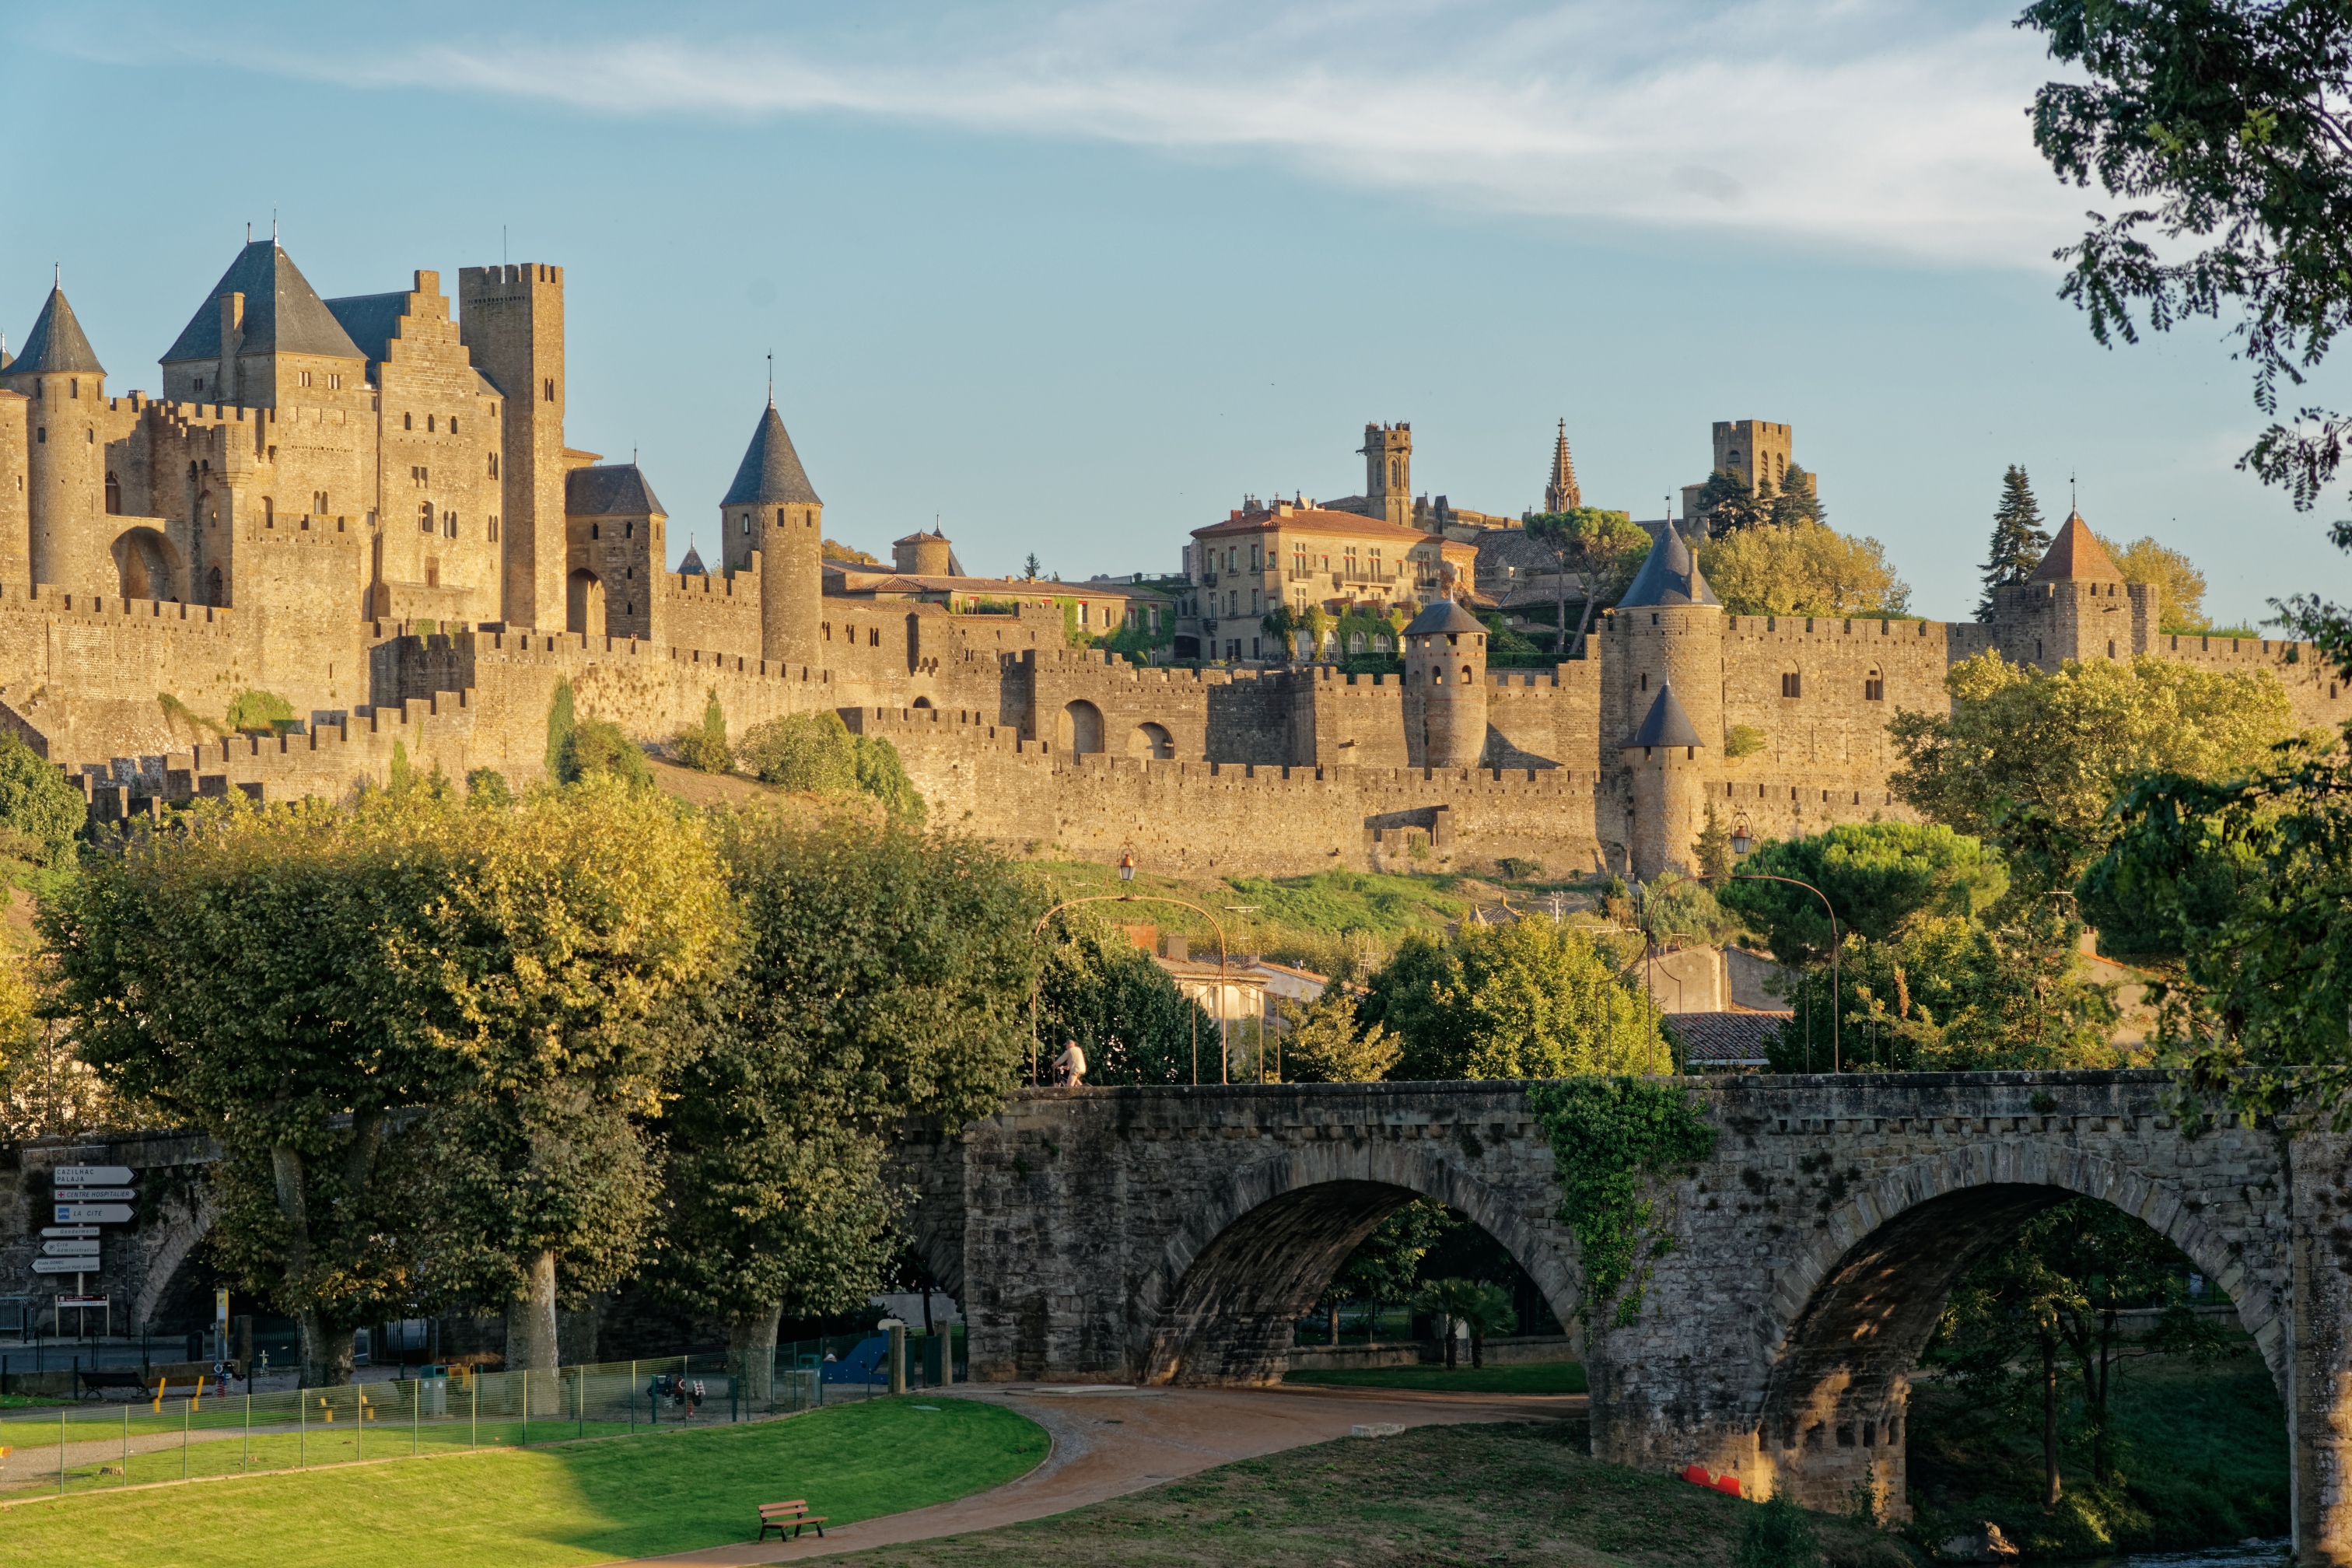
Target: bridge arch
<point>1848,1320</point>
<point>1247,1264</point>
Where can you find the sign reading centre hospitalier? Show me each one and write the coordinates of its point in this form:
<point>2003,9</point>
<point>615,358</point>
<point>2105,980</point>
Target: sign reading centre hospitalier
<point>91,1194</point>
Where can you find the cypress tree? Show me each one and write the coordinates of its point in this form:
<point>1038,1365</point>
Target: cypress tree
<point>2018,538</point>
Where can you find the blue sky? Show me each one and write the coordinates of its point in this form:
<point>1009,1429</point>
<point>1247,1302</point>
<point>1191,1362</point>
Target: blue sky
<point>1072,278</point>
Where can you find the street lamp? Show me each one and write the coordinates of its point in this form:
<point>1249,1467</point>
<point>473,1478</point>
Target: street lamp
<point>1127,866</point>
<point>1742,841</point>
<point>1762,877</point>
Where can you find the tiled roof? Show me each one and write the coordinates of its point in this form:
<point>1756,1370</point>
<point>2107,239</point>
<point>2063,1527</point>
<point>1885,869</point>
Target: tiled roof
<point>615,489</point>
<point>1314,520</point>
<point>771,472</point>
<point>283,314</point>
<point>1726,1040</point>
<point>56,345</point>
<point>1669,577</point>
<point>2076,556</point>
<point>1666,723</point>
<point>1440,615</point>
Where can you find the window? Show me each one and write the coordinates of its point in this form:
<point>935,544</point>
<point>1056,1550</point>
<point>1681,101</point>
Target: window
<point>41,437</point>
<point>269,512</point>
<point>334,382</point>
<point>1645,680</point>
<point>73,386</point>
<point>113,495</point>
<point>318,502</point>
<point>1791,683</point>
<point>301,378</point>
<point>425,518</point>
<point>449,524</point>
<point>200,387</point>
<point>1874,688</point>
<point>1256,559</point>
<point>494,528</point>
<point>428,424</point>
<point>747,525</point>
<point>453,425</point>
<point>547,393</point>
<point>1376,563</point>
<point>2111,647</point>
<point>494,464</point>
<point>408,421</point>
<point>1299,559</point>
<point>629,530</point>
<point>594,531</point>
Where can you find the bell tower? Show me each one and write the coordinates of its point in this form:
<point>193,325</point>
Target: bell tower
<point>1387,472</point>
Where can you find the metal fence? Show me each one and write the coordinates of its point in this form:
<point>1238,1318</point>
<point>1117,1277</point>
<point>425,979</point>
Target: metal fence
<point>173,1433</point>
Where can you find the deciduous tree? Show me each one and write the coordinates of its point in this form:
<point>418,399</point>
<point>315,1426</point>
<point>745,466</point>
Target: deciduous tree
<point>1328,1043</point>
<point>1804,569</point>
<point>2180,587</point>
<point>1526,1000</point>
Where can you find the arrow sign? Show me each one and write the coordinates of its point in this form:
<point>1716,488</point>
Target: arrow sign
<point>69,1230</point>
<point>70,1250</point>
<point>84,1301</point>
<point>94,1194</point>
<point>91,1175</point>
<point>93,1213</point>
<point>65,1265</point>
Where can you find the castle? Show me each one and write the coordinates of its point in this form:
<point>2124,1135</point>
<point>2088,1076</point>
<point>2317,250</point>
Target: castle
<point>366,507</point>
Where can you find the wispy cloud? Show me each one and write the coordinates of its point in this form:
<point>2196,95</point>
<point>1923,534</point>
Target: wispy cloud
<point>1891,125</point>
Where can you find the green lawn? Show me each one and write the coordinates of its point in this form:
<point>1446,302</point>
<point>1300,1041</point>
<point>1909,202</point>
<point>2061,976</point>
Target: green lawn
<point>1524,1496</point>
<point>583,1502</point>
<point>1538,1377</point>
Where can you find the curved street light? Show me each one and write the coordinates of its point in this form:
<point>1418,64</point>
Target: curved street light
<point>1766,877</point>
<point>1126,875</point>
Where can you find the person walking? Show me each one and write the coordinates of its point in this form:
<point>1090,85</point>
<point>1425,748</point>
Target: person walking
<point>1071,1065</point>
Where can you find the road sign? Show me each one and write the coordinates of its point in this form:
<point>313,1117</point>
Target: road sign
<point>91,1175</point>
<point>69,1230</point>
<point>94,1194</point>
<point>70,1250</point>
<point>93,1213</point>
<point>65,1265</point>
<point>84,1300</point>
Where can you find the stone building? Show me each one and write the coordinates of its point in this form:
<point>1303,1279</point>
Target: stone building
<point>369,509</point>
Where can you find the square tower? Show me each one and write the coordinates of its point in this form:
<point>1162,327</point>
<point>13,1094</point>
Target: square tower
<point>512,320</point>
<point>1387,472</point>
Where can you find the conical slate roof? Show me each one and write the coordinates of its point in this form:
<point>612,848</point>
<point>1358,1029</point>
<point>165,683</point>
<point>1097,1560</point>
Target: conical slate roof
<point>1441,616</point>
<point>56,345</point>
<point>1667,725</point>
<point>772,471</point>
<point>2076,556</point>
<point>692,565</point>
<point>283,314</point>
<point>1669,577</point>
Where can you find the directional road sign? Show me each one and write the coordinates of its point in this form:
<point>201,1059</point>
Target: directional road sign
<point>71,1248</point>
<point>54,1230</point>
<point>91,1175</point>
<point>93,1213</point>
<point>84,1301</point>
<point>94,1194</point>
<point>65,1265</point>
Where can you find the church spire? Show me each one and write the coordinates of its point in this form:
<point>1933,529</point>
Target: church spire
<point>1561,494</point>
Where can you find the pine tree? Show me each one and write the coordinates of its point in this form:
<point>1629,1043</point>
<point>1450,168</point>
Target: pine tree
<point>1798,501</point>
<point>2018,538</point>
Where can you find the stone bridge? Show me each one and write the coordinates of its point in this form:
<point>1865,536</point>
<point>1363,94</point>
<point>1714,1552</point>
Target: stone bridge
<point>1174,1235</point>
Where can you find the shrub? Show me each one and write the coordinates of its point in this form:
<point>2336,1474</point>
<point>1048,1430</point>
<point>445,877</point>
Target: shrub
<point>1777,1535</point>
<point>599,746</point>
<point>809,752</point>
<point>1743,739</point>
<point>705,750</point>
<point>259,712</point>
<point>39,809</point>
<point>881,774</point>
<point>489,787</point>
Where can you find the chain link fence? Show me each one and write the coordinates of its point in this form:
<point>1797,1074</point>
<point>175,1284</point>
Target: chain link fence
<point>174,1433</point>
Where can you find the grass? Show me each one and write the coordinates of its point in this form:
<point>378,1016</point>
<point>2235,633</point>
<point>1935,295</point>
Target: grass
<point>1536,1377</point>
<point>2202,1454</point>
<point>583,1502</point>
<point>1510,1495</point>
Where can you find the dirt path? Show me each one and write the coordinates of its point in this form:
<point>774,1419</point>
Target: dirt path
<point>1110,1441</point>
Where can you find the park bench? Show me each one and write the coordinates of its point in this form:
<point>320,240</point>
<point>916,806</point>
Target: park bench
<point>782,1516</point>
<point>94,1384</point>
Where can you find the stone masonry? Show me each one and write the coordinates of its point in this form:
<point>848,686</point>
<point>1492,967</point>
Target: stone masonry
<point>1175,1235</point>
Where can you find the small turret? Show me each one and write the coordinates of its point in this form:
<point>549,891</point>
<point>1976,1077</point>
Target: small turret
<point>2074,605</point>
<point>922,554</point>
<point>64,460</point>
<point>1669,787</point>
<point>1446,687</point>
<point>772,513</point>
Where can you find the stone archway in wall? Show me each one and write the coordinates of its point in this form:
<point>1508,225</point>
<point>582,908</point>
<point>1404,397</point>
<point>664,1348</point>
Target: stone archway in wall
<point>1152,741</point>
<point>1218,1309</point>
<point>1080,728</point>
<point>1849,1320</point>
<point>146,565</point>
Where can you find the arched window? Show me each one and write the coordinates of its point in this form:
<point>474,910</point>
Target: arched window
<point>113,495</point>
<point>408,421</point>
<point>424,517</point>
<point>1874,688</point>
<point>747,525</point>
<point>593,530</point>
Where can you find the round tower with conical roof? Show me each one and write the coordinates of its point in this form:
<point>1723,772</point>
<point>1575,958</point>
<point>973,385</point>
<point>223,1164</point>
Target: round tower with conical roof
<point>773,519</point>
<point>1444,686</point>
<point>1667,632</point>
<point>64,467</point>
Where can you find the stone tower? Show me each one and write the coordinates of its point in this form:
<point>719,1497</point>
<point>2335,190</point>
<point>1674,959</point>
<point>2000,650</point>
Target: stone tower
<point>1667,632</point>
<point>1560,492</point>
<point>264,339</point>
<point>15,514</point>
<point>65,466</point>
<point>512,320</point>
<point>1387,472</point>
<point>2076,605</point>
<point>922,554</point>
<point>1669,788</point>
<point>771,516</point>
<point>1444,688</point>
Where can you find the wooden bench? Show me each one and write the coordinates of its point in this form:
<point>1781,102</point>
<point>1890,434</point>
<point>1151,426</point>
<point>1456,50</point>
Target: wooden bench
<point>782,1516</point>
<point>96,1384</point>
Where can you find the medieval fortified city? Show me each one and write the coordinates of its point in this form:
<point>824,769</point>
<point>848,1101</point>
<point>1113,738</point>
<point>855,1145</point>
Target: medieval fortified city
<point>1074,1006</point>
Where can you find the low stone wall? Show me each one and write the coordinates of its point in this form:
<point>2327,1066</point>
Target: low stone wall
<point>1526,1349</point>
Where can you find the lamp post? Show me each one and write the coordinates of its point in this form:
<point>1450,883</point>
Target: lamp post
<point>1739,847</point>
<point>1127,877</point>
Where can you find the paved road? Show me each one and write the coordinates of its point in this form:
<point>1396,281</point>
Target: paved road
<point>1110,1441</point>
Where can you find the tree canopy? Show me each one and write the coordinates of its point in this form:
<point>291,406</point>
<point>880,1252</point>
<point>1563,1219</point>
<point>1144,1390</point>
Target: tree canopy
<point>2180,585</point>
<point>1604,549</point>
<point>1801,569</point>
<point>2030,760</point>
<point>2018,540</point>
<point>1530,999</point>
<point>1876,875</point>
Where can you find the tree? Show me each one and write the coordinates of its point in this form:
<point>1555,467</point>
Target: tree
<point>1317,623</point>
<point>1797,502</point>
<point>1526,1000</point>
<point>1727,503</point>
<point>1029,567</point>
<point>560,719</point>
<point>1805,569</point>
<point>1714,848</point>
<point>2180,587</point>
<point>705,748</point>
<point>1603,549</point>
<point>1328,1043</point>
<point>561,933</point>
<point>1279,625</point>
<point>1876,875</point>
<point>232,972</point>
<point>41,812</point>
<point>1101,990</point>
<point>1384,1266</point>
<point>2018,540</point>
<point>882,976</point>
<point>1482,1307</point>
<point>2029,762</point>
<point>599,746</point>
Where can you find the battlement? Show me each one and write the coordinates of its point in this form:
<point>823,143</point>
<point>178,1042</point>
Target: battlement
<point>1833,626</point>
